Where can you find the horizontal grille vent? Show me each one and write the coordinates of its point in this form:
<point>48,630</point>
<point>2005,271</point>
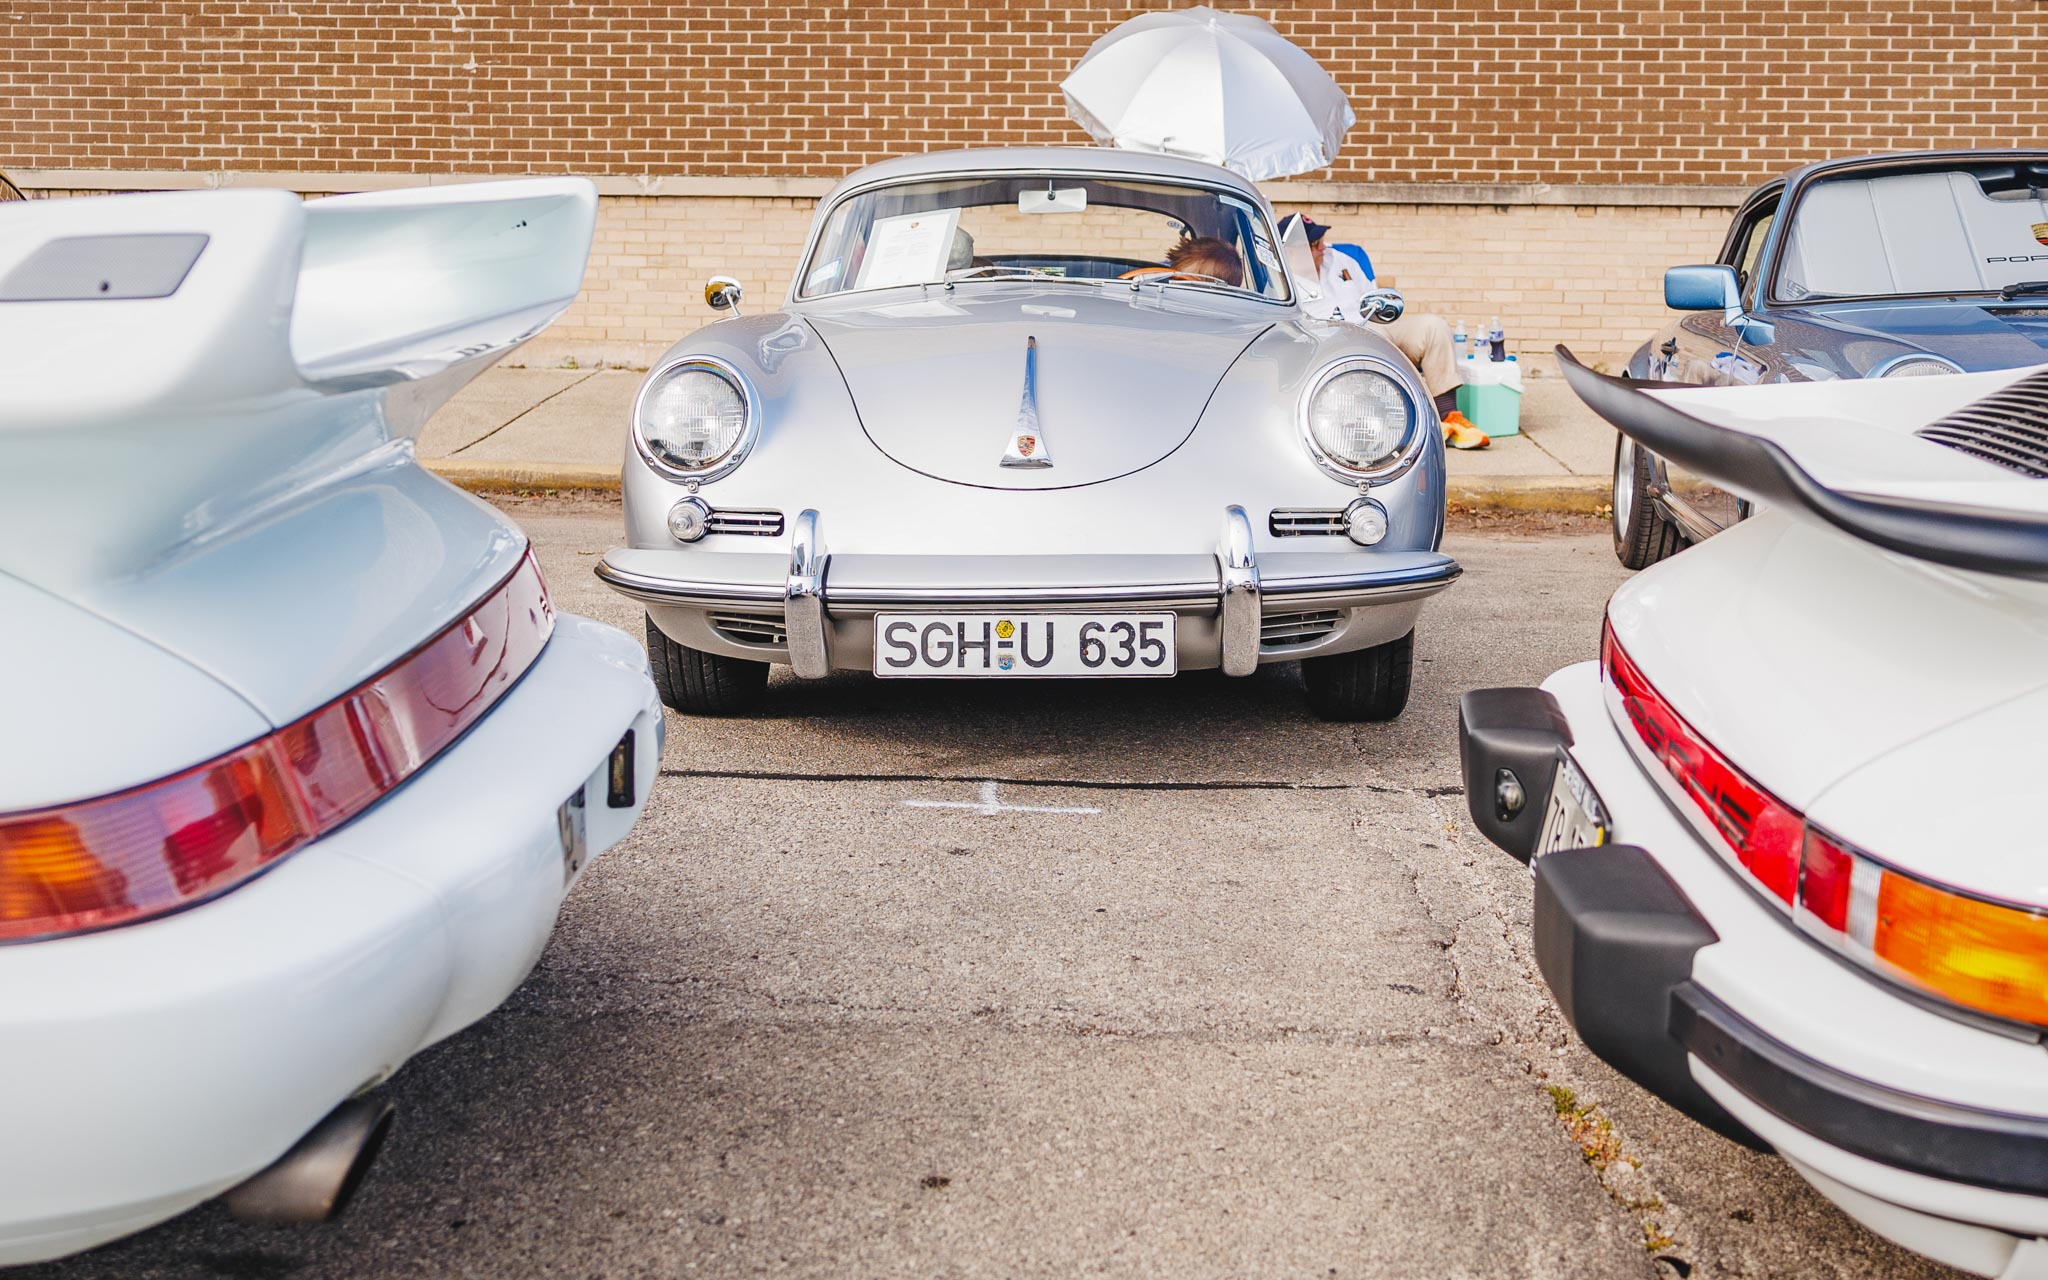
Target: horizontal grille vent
<point>2008,427</point>
<point>1303,522</point>
<point>1278,630</point>
<point>755,524</point>
<point>748,628</point>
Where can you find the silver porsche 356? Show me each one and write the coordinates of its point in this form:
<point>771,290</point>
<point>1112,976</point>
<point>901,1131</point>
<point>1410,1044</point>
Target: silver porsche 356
<point>993,432</point>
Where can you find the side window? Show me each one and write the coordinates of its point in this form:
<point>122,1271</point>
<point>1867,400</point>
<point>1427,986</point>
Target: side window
<point>1749,243</point>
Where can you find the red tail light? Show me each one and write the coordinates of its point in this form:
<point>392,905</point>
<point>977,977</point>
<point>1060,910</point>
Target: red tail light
<point>1972,951</point>
<point>139,853</point>
<point>1764,833</point>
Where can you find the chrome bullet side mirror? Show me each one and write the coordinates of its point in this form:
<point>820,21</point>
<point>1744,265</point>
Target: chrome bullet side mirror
<point>723,294</point>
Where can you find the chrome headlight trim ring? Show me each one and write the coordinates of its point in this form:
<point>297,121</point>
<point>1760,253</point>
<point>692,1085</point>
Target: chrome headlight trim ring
<point>1886,368</point>
<point>1402,460</point>
<point>749,433</point>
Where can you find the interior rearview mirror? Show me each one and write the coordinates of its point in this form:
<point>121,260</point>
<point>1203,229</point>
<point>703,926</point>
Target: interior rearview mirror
<point>723,294</point>
<point>1053,200</point>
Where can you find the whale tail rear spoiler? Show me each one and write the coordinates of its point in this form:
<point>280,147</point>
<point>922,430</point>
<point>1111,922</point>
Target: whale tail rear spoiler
<point>1982,539</point>
<point>183,302</point>
<point>173,366</point>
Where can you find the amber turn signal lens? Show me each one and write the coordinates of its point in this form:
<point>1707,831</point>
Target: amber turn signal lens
<point>1982,955</point>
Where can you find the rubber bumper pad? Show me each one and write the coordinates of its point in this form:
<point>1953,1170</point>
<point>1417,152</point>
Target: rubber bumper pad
<point>1510,736</point>
<point>1614,939</point>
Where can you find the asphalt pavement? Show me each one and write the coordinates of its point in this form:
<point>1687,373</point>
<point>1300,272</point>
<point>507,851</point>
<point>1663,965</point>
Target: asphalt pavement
<point>945,979</point>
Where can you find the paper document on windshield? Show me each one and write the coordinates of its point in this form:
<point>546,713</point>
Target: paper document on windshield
<point>910,248</point>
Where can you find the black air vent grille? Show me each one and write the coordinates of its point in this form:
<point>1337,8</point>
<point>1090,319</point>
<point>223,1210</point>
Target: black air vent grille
<point>746,628</point>
<point>2008,427</point>
<point>1281,630</point>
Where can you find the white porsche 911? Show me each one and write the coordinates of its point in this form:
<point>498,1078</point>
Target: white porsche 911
<point>296,760</point>
<point>1790,874</point>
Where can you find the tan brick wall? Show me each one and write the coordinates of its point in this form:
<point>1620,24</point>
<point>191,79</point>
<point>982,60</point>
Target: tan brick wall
<point>1589,277</point>
<point>1595,91</point>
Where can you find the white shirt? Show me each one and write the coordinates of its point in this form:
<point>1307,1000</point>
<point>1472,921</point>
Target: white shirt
<point>1345,285</point>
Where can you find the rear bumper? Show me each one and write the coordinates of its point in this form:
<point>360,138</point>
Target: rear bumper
<point>1930,1129</point>
<point>816,612</point>
<point>149,1068</point>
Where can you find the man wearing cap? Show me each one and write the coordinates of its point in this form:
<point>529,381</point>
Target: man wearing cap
<point>1346,276</point>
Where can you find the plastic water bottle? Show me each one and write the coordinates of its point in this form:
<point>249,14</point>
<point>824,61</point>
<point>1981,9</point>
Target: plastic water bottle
<point>1461,340</point>
<point>1496,341</point>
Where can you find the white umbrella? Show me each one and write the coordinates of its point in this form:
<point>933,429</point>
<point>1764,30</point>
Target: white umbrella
<point>1221,87</point>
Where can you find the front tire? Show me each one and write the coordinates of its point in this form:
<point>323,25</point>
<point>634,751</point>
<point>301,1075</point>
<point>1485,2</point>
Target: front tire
<point>697,683</point>
<point>1370,684</point>
<point>1642,535</point>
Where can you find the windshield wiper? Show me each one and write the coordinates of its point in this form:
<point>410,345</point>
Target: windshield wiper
<point>2012,291</point>
<point>1003,270</point>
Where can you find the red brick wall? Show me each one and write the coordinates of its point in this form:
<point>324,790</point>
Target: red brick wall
<point>1572,91</point>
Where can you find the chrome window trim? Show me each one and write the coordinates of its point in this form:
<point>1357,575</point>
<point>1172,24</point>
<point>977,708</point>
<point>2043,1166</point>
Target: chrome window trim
<point>824,216</point>
<point>749,433</point>
<point>1403,459</point>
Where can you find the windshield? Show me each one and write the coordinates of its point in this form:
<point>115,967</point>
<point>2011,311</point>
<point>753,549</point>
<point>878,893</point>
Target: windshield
<point>1972,229</point>
<point>1066,227</point>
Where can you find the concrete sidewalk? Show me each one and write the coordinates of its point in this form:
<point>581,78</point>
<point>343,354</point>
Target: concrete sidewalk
<point>536,429</point>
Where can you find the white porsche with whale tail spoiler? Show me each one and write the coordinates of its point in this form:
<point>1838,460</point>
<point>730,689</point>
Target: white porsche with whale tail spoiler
<point>296,760</point>
<point>1790,868</point>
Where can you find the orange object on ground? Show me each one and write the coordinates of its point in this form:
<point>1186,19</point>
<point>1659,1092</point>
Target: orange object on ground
<point>1459,433</point>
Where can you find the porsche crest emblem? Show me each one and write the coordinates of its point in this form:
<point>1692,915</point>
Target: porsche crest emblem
<point>1027,442</point>
<point>2041,232</point>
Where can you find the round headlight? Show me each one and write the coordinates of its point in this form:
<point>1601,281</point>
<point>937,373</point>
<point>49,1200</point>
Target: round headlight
<point>692,419</point>
<point>1360,419</point>
<point>1918,367</point>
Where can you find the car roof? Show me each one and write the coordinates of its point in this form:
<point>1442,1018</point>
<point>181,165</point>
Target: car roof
<point>1106,161</point>
<point>1907,159</point>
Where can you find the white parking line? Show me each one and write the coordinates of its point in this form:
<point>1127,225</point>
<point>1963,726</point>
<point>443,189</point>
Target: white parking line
<point>989,806</point>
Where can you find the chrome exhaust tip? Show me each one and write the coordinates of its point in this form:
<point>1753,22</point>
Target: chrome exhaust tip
<point>314,1181</point>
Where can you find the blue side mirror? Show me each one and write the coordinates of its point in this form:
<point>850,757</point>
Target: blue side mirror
<point>1705,288</point>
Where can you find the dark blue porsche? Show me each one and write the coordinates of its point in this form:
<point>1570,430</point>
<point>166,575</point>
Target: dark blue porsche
<point>1890,266</point>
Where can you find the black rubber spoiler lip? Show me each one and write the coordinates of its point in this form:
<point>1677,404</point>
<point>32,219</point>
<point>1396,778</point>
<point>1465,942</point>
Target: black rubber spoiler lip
<point>2013,546</point>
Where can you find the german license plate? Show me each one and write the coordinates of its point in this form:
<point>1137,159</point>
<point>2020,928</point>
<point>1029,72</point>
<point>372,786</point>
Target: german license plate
<point>1575,818</point>
<point>1024,644</point>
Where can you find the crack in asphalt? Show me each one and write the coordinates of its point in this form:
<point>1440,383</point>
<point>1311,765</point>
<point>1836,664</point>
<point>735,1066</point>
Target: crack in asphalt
<point>1082,784</point>
<point>1632,1189</point>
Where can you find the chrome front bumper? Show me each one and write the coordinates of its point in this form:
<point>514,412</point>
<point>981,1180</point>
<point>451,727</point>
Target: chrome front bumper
<point>1225,599</point>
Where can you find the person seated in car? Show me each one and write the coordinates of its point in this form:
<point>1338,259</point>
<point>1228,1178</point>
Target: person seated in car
<point>1207,256</point>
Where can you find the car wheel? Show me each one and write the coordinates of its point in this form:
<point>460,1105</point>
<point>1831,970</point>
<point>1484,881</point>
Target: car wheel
<point>1642,536</point>
<point>697,683</point>
<point>1371,684</point>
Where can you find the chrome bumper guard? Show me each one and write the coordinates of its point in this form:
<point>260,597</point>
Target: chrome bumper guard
<point>1237,578</point>
<point>803,600</point>
<point>1237,591</point>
